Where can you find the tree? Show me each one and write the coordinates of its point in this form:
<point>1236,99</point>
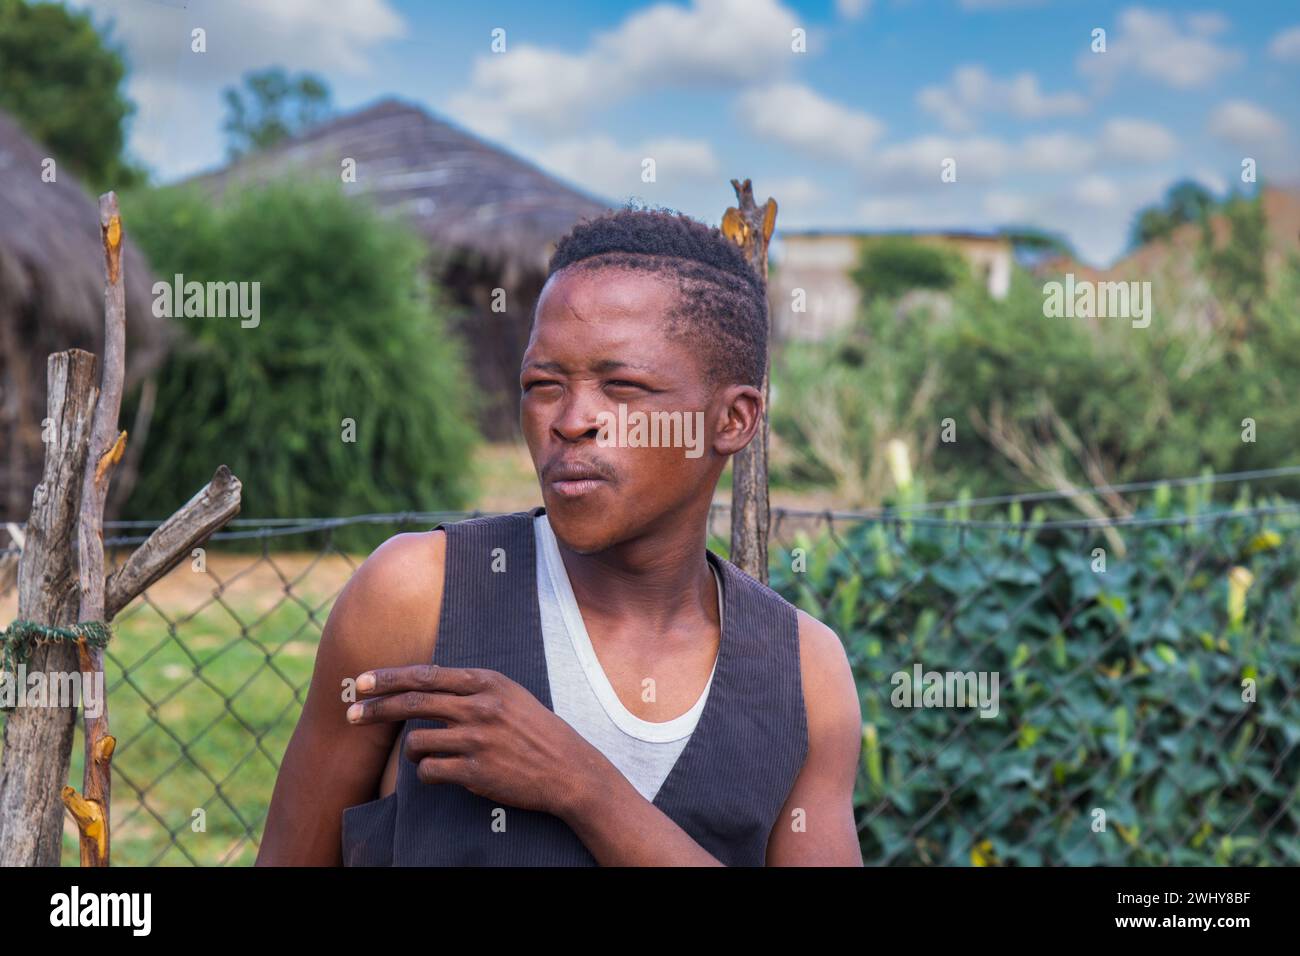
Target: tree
<point>1236,268</point>
<point>61,80</point>
<point>272,108</point>
<point>892,265</point>
<point>1188,201</point>
<point>1150,224</point>
<point>1185,201</point>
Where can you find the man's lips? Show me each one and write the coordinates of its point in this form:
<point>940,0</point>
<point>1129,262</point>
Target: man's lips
<point>574,479</point>
<point>577,488</point>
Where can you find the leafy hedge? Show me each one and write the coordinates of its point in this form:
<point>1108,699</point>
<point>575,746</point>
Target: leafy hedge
<point>349,330</point>
<point>1120,690</point>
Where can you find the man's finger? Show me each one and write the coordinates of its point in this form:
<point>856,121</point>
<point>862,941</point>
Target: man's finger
<point>409,705</point>
<point>427,742</point>
<point>421,677</point>
<point>457,769</point>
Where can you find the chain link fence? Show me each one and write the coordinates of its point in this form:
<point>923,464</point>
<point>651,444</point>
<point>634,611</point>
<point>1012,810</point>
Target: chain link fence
<point>1034,690</point>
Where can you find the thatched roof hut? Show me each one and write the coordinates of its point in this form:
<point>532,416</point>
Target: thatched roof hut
<point>491,220</point>
<point>52,298</point>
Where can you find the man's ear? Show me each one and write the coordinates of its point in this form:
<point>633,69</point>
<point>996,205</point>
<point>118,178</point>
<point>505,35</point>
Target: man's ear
<point>741,418</point>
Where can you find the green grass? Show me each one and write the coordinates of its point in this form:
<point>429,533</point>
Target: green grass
<point>202,710</point>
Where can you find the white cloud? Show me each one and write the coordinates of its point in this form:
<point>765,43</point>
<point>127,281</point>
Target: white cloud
<point>893,212</point>
<point>1128,140</point>
<point>973,90</point>
<point>1151,44</point>
<point>799,117</point>
<point>178,92</point>
<point>1055,153</point>
<point>1286,45</point>
<point>1257,133</point>
<point>1096,191</point>
<point>979,5</point>
<point>1245,125</point>
<point>248,34</point>
<point>852,9</point>
<point>984,159</point>
<point>1207,24</point>
<point>603,166</point>
<point>1007,207</point>
<point>791,192</point>
<point>919,161</point>
<point>717,44</point>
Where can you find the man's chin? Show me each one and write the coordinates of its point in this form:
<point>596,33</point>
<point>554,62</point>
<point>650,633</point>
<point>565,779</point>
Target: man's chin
<point>582,524</point>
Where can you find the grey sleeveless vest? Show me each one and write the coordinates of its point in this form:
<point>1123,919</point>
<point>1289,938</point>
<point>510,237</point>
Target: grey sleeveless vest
<point>727,788</point>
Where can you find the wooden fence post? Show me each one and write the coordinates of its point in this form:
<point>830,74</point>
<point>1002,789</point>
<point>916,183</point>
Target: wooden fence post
<point>79,459</point>
<point>38,740</point>
<point>750,227</point>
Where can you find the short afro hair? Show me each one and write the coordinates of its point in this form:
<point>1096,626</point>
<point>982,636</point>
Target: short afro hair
<point>722,301</point>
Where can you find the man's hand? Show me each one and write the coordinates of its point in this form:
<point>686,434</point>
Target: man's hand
<point>500,742</point>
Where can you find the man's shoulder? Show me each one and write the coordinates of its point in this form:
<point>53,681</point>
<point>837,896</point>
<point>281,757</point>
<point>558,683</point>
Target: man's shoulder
<point>405,567</point>
<point>393,600</point>
<point>819,645</point>
<point>829,690</point>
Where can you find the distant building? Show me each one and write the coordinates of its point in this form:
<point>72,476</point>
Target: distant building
<point>821,262</point>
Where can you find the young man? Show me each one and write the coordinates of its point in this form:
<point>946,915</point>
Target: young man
<point>586,683</point>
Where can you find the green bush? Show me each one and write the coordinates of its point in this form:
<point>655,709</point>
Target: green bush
<point>348,330</point>
<point>1119,691</point>
<point>1075,401</point>
<point>892,265</point>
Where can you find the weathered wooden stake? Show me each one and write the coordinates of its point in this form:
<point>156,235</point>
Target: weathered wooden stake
<point>82,448</point>
<point>38,740</point>
<point>91,809</point>
<point>750,227</point>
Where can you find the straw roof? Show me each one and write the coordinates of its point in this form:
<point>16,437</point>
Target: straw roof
<point>52,298</point>
<point>472,200</point>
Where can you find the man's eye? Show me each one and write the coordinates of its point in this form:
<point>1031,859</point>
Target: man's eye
<point>620,383</point>
<point>529,386</point>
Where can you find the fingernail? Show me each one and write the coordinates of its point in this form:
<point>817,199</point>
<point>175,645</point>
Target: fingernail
<point>354,712</point>
<point>366,681</point>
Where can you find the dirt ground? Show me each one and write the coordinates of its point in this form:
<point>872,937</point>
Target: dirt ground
<point>249,580</point>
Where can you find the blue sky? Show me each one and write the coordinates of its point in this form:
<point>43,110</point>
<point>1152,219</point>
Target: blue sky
<point>850,133</point>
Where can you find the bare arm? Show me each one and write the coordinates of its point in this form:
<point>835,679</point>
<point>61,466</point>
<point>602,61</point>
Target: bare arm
<point>816,826</point>
<point>386,616</point>
<point>619,827</point>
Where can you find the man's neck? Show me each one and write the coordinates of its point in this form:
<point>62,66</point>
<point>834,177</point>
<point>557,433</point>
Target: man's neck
<point>659,582</point>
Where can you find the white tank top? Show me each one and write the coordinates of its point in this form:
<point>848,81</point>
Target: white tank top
<point>644,751</point>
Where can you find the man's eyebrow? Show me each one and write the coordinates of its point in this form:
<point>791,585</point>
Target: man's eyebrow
<point>614,365</point>
<point>604,365</point>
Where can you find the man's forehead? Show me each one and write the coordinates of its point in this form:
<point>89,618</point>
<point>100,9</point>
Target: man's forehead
<point>606,291</point>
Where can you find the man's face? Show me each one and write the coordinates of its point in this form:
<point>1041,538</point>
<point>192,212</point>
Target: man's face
<point>599,342</point>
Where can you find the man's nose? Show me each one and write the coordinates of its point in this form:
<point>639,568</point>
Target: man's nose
<point>577,415</point>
